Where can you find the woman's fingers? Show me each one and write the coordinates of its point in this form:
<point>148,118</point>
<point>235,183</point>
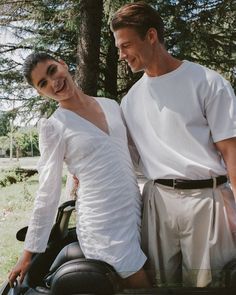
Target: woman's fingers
<point>12,277</point>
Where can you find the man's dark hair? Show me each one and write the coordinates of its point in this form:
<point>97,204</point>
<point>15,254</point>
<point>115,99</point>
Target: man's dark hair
<point>31,62</point>
<point>139,16</point>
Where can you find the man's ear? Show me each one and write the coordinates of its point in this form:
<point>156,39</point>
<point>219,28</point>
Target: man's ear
<point>152,35</point>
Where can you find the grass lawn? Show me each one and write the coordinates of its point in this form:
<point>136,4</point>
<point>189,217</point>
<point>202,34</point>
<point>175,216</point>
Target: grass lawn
<point>16,202</point>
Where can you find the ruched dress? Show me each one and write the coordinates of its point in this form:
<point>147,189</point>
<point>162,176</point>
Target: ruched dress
<point>109,202</point>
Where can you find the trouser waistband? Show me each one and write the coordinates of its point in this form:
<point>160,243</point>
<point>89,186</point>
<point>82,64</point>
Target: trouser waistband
<point>193,184</point>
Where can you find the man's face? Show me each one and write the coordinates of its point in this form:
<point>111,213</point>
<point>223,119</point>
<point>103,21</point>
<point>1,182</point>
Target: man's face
<point>137,52</point>
<point>52,79</point>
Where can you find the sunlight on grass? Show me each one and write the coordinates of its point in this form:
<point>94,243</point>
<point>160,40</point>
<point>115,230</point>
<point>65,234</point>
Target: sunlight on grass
<point>16,202</point>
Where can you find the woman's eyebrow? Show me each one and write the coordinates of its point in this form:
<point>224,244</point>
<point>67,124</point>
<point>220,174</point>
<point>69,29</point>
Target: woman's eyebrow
<point>49,68</point>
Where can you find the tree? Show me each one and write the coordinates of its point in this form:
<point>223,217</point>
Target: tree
<point>202,31</point>
<point>26,142</point>
<point>88,49</point>
<point>4,124</point>
<point>34,26</point>
<point>78,31</point>
<point>4,145</point>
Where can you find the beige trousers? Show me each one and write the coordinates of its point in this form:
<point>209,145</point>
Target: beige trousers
<point>188,235</point>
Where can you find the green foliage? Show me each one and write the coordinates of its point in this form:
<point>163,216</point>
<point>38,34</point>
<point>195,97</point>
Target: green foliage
<point>5,121</point>
<point>4,125</point>
<point>34,26</point>
<point>26,141</point>
<point>200,31</point>
<point>203,32</point>
<point>16,203</point>
<point>15,175</point>
<point>16,207</point>
<point>4,142</point>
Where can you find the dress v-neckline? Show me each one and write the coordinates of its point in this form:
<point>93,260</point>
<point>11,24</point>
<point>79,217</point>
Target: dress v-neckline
<point>89,122</point>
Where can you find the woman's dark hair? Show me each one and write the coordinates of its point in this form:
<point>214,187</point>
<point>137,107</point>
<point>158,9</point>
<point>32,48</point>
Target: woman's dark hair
<point>139,16</point>
<point>31,62</point>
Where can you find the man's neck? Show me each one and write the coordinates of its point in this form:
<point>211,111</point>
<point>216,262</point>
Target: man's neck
<point>162,63</point>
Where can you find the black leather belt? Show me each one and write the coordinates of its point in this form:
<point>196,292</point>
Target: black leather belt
<point>192,184</point>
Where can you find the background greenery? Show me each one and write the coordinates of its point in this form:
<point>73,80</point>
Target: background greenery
<point>16,202</point>
<point>78,31</point>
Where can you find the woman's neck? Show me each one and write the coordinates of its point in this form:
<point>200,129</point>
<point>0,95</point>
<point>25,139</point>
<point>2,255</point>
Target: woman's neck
<point>79,100</point>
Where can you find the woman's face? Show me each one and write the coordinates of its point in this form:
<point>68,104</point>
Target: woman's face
<point>52,79</point>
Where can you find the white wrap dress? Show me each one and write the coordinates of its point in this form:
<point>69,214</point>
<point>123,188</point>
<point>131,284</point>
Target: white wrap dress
<point>109,202</point>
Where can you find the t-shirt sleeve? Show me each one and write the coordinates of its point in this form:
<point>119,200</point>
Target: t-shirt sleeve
<point>52,150</point>
<point>132,148</point>
<point>221,113</point>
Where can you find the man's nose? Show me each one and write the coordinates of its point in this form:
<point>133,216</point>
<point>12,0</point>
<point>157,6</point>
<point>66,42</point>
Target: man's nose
<point>122,55</point>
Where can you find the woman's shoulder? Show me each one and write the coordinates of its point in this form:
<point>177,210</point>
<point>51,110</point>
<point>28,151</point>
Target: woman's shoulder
<point>50,127</point>
<point>44,124</point>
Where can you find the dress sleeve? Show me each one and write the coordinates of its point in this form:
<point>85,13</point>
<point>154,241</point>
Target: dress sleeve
<point>52,150</point>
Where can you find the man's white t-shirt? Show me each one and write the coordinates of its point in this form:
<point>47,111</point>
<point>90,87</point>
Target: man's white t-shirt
<point>175,119</point>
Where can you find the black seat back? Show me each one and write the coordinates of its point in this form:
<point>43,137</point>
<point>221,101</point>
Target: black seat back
<point>84,276</point>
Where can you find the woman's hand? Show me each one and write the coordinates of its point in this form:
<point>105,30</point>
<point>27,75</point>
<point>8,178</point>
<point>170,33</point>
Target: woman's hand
<point>21,268</point>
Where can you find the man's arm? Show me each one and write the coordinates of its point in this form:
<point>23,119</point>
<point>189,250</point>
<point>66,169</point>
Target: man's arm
<point>227,148</point>
<point>133,152</point>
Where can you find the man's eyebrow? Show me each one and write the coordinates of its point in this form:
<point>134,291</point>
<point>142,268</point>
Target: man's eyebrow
<point>122,44</point>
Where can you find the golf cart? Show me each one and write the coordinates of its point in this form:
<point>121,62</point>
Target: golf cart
<point>63,269</point>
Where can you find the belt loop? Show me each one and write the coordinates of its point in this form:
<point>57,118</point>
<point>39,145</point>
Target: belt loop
<point>214,183</point>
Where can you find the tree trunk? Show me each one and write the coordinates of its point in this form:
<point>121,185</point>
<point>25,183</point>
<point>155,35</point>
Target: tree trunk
<point>91,13</point>
<point>110,83</point>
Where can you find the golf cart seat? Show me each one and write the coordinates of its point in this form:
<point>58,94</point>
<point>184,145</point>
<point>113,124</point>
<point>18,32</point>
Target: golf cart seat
<point>63,269</point>
<point>71,273</point>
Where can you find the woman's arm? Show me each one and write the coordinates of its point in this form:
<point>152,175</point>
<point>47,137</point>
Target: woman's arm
<point>21,268</point>
<point>52,151</point>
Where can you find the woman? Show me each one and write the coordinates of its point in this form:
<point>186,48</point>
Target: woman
<point>88,134</point>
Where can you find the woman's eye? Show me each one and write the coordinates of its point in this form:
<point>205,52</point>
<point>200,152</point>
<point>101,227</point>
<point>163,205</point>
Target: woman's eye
<point>52,70</point>
<point>43,84</point>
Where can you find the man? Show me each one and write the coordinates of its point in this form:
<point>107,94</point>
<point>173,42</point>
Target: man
<point>182,119</point>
